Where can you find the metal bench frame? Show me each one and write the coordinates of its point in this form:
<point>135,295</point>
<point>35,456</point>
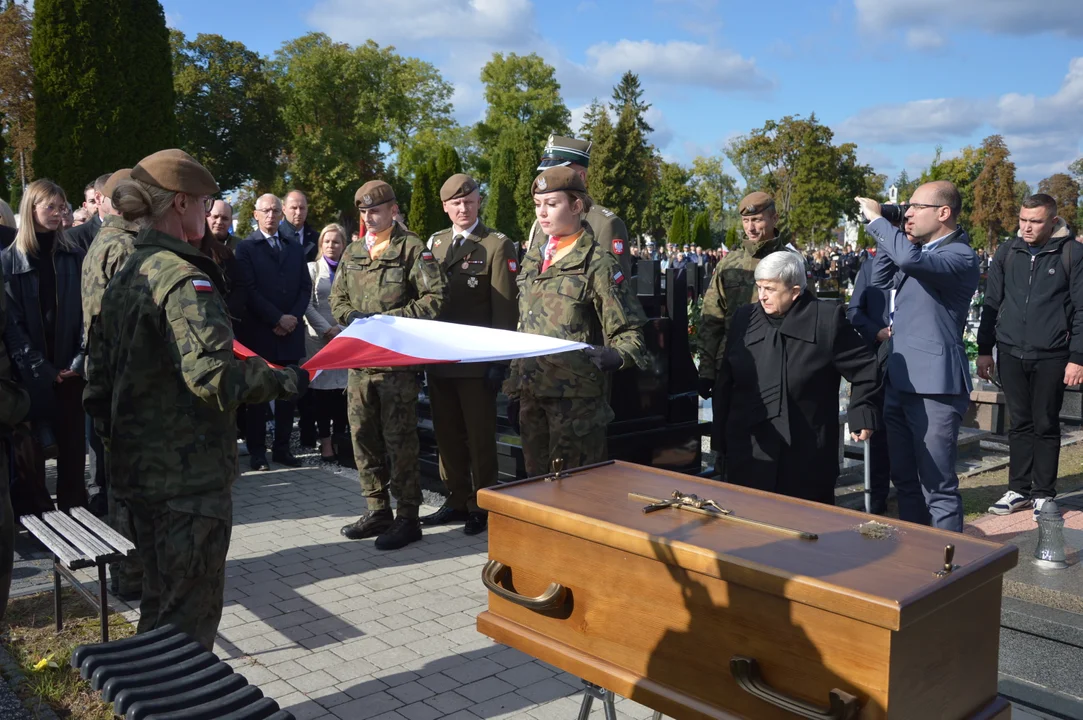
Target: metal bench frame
<point>79,540</point>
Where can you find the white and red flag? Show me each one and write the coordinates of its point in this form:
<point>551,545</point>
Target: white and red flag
<point>383,341</point>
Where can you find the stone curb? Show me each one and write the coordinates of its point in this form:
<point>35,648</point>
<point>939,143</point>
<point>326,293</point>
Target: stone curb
<point>16,679</point>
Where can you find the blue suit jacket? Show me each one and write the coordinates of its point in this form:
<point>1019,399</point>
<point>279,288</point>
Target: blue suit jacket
<point>273,288</point>
<point>933,291</point>
<point>869,306</point>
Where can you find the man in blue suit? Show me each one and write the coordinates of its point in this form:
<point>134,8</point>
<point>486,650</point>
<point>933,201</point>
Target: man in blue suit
<point>932,271</point>
<point>277,286</point>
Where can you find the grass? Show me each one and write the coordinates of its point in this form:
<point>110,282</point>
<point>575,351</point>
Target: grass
<point>29,635</point>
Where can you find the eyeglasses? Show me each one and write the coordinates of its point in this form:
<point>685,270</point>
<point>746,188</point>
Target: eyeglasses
<point>919,206</point>
<point>208,204</point>
<point>51,208</point>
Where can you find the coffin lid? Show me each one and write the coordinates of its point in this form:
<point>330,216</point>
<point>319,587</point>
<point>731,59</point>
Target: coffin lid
<point>888,581</point>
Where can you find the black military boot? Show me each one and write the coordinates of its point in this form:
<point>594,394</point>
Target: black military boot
<point>401,533</point>
<point>370,524</point>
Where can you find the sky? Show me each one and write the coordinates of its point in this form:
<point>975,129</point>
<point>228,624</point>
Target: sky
<point>897,77</point>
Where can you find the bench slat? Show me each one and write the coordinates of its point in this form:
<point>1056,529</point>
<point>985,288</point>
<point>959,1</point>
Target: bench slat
<point>67,554</point>
<point>77,535</point>
<point>106,533</point>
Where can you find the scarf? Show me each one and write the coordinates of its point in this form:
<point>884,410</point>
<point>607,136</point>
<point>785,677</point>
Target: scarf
<point>773,380</point>
<point>332,265</point>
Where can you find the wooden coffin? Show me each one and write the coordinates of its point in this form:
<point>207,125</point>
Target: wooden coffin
<point>705,617</point>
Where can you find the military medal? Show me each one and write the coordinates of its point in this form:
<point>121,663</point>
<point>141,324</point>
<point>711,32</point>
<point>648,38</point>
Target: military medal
<point>465,265</point>
<point>472,281</point>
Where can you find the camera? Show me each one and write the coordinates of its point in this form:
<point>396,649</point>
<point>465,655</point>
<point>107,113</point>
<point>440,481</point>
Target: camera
<point>894,214</point>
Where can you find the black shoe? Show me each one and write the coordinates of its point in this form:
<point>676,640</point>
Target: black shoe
<point>259,462</point>
<point>286,458</point>
<point>444,515</point>
<point>401,533</point>
<point>369,525</point>
<point>98,504</point>
<point>476,523</point>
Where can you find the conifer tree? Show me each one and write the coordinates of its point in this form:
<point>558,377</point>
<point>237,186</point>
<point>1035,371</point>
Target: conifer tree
<point>678,228</point>
<point>419,219</point>
<point>701,230</point>
<point>731,238</point>
<point>447,164</point>
<point>509,207</point>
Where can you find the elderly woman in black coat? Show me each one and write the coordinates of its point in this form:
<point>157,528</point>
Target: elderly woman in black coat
<point>779,386</point>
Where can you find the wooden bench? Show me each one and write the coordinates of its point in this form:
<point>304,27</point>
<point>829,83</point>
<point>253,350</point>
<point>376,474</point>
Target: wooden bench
<point>77,541</point>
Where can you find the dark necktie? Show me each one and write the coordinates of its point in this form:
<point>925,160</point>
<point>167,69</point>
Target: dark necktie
<point>457,242</point>
<point>276,247</point>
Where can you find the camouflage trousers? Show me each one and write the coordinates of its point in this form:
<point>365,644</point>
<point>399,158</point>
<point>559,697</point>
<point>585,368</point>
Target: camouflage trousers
<point>382,409</point>
<point>126,575</point>
<point>571,429</point>
<point>183,544</point>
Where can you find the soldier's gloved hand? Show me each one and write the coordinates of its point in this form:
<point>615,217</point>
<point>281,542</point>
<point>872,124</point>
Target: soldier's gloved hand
<point>513,415</point>
<point>302,379</point>
<point>606,358</point>
<point>706,387</point>
<point>355,315</point>
<point>494,377</point>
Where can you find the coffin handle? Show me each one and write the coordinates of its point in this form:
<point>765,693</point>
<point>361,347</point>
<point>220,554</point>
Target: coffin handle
<point>747,673</point>
<point>552,598</point>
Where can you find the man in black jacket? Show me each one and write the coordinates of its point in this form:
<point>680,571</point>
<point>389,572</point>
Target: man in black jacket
<point>294,226</point>
<point>1035,286</point>
<point>84,234</point>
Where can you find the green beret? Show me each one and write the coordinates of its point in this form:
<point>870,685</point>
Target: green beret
<point>561,179</point>
<point>563,151</point>
<point>457,186</point>
<point>177,171</point>
<point>373,193</point>
<point>756,203</point>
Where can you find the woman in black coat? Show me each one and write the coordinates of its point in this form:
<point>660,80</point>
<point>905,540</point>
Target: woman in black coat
<point>778,386</point>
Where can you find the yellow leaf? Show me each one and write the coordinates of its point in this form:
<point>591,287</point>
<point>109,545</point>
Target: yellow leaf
<point>44,662</point>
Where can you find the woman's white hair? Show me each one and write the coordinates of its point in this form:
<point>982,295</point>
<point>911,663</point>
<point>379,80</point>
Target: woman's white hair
<point>784,266</point>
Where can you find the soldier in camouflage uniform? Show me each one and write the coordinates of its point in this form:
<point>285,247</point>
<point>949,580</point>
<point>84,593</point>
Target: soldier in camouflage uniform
<point>577,291</point>
<point>609,231</point>
<point>387,272</point>
<point>14,405</point>
<point>734,284</point>
<point>108,252</point>
<point>164,390</point>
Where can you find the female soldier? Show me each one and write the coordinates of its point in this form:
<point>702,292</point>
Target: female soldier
<point>576,291</point>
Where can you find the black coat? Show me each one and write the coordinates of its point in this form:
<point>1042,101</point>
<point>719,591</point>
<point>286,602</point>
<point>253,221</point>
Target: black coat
<point>311,239</point>
<point>83,235</point>
<point>820,347</point>
<point>273,288</point>
<point>7,236</point>
<point>26,325</point>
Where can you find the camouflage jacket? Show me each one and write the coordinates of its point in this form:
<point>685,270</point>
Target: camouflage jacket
<point>14,402</point>
<point>584,296</point>
<point>111,247</point>
<point>166,385</point>
<point>609,231</point>
<point>405,281</point>
<point>732,286</point>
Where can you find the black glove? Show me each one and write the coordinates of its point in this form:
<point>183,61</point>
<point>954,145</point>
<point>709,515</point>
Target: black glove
<point>606,358</point>
<point>513,415</point>
<point>706,387</point>
<point>355,315</point>
<point>302,379</point>
<point>494,377</point>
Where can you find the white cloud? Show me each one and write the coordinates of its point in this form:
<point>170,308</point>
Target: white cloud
<point>926,22</point>
<point>663,134</point>
<point>916,121</point>
<point>391,23</point>
<point>679,62</point>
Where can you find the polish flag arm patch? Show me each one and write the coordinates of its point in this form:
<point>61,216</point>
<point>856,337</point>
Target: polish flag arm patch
<point>202,286</point>
<point>618,277</point>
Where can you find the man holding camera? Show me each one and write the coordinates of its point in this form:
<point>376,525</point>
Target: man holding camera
<point>1034,288</point>
<point>932,272</point>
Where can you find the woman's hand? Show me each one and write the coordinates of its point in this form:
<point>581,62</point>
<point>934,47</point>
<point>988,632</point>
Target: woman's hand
<point>862,436</point>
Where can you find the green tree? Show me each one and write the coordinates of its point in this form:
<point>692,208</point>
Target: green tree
<point>426,212</point>
<point>962,171</point>
<point>905,186</point>
<point>1065,191</point>
<point>17,117</point>
<point>732,238</point>
<point>447,164</point>
<point>701,230</point>
<point>599,179</point>
<point>679,230</point>
<point>591,117</point>
<point>82,129</point>
<point>509,207</point>
<point>995,206</point>
<point>717,191</point>
<point>1023,190</point>
<point>629,92</point>
<point>671,189</point>
<point>522,92</point>
<point>626,168</point>
<point>227,108</point>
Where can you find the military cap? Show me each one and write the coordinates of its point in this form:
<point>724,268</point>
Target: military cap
<point>457,186</point>
<point>373,193</point>
<point>563,151</point>
<point>755,203</point>
<point>562,179</point>
<point>177,171</point>
<point>115,179</point>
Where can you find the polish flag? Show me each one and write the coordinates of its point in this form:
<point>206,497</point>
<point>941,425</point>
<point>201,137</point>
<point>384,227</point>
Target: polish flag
<point>383,341</point>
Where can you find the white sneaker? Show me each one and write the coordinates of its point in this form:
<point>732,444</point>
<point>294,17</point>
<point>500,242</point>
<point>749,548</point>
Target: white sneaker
<point>1011,502</point>
<point>1038,502</point>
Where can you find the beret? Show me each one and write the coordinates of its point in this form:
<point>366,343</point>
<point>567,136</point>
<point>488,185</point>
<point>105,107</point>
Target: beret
<point>373,193</point>
<point>457,186</point>
<point>177,171</point>
<point>562,178</point>
<point>115,179</point>
<point>563,151</point>
<point>755,203</point>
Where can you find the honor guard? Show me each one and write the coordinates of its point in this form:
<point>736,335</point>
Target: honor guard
<point>481,266</point>
<point>608,230</point>
<point>577,291</point>
<point>389,271</point>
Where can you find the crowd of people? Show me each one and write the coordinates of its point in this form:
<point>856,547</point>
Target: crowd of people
<point>133,315</point>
